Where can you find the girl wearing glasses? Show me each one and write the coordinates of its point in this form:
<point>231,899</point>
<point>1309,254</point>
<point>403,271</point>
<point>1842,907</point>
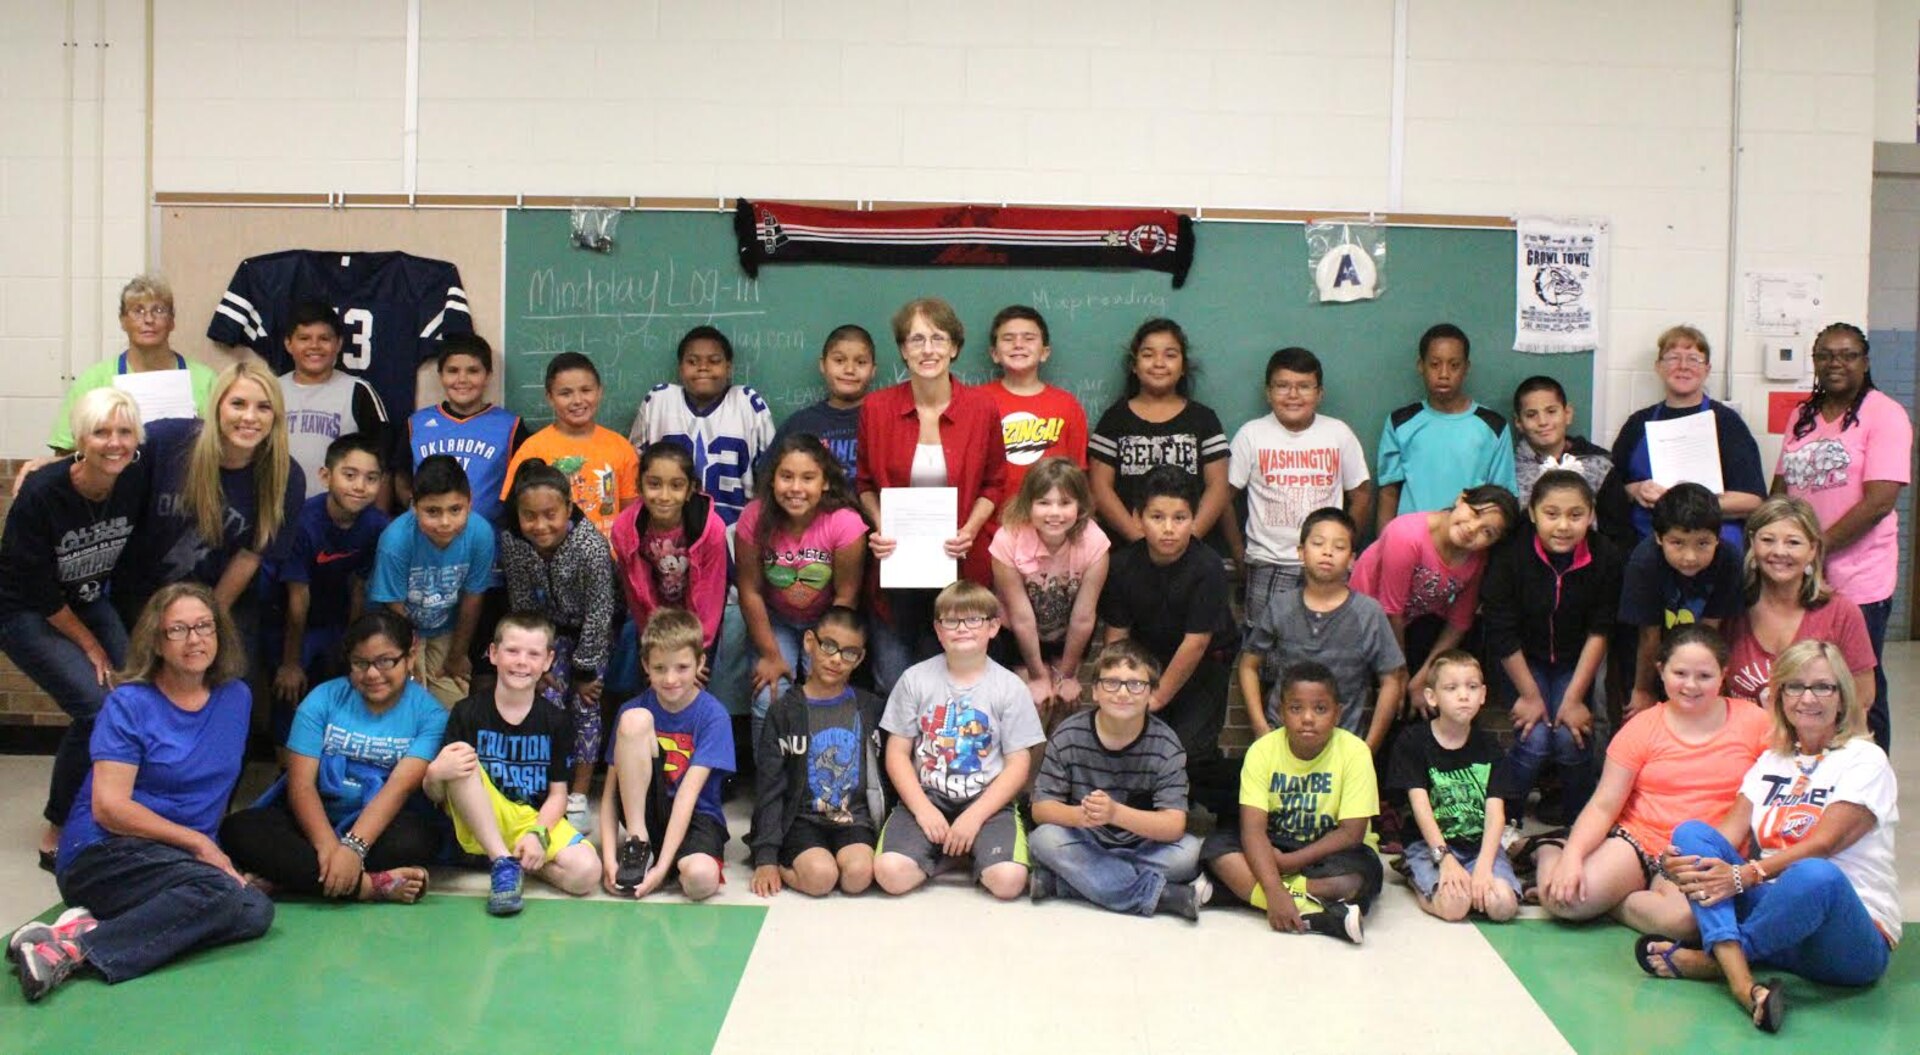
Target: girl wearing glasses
<point>1821,900</point>
<point>1847,454</point>
<point>348,820</point>
<point>1789,600</point>
<point>1683,361</point>
<point>928,431</point>
<point>138,850</point>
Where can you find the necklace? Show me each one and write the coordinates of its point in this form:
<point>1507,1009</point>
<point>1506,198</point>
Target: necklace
<point>1806,769</point>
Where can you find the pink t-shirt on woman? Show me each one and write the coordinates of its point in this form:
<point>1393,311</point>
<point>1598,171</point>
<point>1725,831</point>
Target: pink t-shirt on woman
<point>1404,572</point>
<point>1676,781</point>
<point>1749,664</point>
<point>798,572</point>
<point>1052,579</point>
<point>1830,468</point>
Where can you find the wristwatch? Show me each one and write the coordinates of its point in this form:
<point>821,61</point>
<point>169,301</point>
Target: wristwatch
<point>540,833</point>
<point>1436,854</point>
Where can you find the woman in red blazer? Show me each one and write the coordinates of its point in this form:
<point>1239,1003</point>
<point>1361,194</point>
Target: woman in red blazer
<point>930,431</point>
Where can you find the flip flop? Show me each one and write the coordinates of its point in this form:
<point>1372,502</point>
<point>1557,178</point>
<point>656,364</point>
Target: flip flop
<point>1770,1011</point>
<point>1643,955</point>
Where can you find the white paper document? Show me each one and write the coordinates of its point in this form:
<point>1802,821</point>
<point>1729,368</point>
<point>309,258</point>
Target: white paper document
<point>160,393</point>
<point>1685,450</point>
<point>920,520</point>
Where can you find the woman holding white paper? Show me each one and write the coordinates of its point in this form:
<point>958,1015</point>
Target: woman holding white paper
<point>928,431</point>
<point>166,383</point>
<point>1683,360</point>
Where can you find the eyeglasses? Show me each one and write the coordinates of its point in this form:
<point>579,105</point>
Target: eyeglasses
<point>921,340</point>
<point>1675,359</point>
<point>1115,686</point>
<point>179,631</point>
<point>955,622</point>
<point>1293,388</point>
<point>383,664</point>
<point>1820,690</point>
<point>151,312</point>
<point>1848,357</point>
<point>846,652</point>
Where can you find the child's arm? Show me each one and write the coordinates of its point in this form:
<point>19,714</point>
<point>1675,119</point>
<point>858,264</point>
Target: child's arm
<point>1237,545</point>
<point>1386,707</point>
<point>1086,614</point>
<point>1012,589</point>
<point>531,851</point>
<point>357,600</point>
<point>290,681</point>
<point>607,828</point>
<point>769,803</point>
<point>1646,677</point>
<point>1161,826</point>
<point>684,800</point>
<point>236,578</point>
<point>1490,851</point>
<point>1215,499</point>
<point>849,572</point>
<point>1360,504</point>
<point>769,667</point>
<point>1053,811</point>
<point>1193,648</point>
<point>1451,874</point>
<point>458,663</point>
<point>1349,833</point>
<point>1264,862</point>
<point>1387,507</point>
<point>1250,695</point>
<point>991,800</point>
<point>906,784</point>
<point>1575,715</point>
<point>1113,512</point>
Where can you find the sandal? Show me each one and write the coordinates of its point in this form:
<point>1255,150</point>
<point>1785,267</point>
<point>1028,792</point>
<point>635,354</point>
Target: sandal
<point>1769,1011</point>
<point>1644,955</point>
<point>1526,852</point>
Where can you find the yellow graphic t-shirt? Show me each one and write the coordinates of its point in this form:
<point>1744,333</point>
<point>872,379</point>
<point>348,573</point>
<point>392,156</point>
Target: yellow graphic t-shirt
<point>1305,799</point>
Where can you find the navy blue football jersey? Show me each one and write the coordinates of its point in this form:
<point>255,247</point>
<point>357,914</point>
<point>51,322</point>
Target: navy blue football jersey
<point>395,307</point>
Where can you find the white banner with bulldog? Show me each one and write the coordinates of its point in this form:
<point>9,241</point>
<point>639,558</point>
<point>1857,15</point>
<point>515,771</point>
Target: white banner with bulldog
<point>1560,282</point>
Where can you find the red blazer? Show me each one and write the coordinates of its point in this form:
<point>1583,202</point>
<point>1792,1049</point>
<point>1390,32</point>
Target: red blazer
<point>970,437</point>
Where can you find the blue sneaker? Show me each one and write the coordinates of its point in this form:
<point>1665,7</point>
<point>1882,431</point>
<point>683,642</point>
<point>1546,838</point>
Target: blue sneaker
<point>508,879</point>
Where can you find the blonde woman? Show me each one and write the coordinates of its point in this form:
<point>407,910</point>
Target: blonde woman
<point>1821,900</point>
<point>1789,600</point>
<point>224,492</point>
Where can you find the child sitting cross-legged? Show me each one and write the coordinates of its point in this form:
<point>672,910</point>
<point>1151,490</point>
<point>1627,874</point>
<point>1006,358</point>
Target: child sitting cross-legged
<point>1308,796</point>
<point>1455,780</point>
<point>502,772</point>
<point>1110,805</point>
<point>820,788</point>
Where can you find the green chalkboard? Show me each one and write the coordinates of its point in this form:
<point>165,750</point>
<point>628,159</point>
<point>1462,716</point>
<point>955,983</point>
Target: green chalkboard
<point>1246,296</point>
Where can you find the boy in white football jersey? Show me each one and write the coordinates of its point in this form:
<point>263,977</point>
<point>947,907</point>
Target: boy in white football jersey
<point>725,426</point>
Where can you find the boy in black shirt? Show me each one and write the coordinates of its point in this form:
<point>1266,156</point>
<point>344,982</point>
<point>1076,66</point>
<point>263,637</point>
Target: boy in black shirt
<point>504,753</point>
<point>820,780</point>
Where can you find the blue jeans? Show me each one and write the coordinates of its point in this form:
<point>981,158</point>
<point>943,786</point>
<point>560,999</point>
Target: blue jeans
<point>1808,920</point>
<point>58,666</point>
<point>1879,716</point>
<point>155,903</point>
<point>1123,879</point>
<point>789,637</point>
<point>1530,752</point>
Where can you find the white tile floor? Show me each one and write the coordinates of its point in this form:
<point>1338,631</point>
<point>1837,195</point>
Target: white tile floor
<point>1065,977</point>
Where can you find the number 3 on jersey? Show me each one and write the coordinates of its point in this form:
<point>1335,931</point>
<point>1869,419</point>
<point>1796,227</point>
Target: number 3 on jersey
<point>359,324</point>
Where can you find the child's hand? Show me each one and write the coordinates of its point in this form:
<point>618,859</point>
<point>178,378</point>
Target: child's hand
<point>705,672</point>
<point>456,761</point>
<point>551,681</point>
<point>589,691</point>
<point>769,672</point>
<point>289,683</point>
<point>531,852</point>
<point>881,546</point>
<point>766,880</point>
<point>457,666</point>
<point>1639,701</point>
<point>1416,698</point>
<point>656,878</point>
<point>340,870</point>
<point>1566,884</point>
<point>609,868</point>
<point>1282,916</point>
<point>933,824</point>
<point>1483,882</point>
<point>1528,711</point>
<point>1453,875</point>
<point>961,834</point>
<point>1576,719</point>
<point>1098,807</point>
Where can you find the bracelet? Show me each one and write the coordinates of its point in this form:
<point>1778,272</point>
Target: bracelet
<point>356,844</point>
<point>1739,885</point>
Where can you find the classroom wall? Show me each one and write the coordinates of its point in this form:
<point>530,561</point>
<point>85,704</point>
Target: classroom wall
<point>1896,55</point>
<point>1896,318</point>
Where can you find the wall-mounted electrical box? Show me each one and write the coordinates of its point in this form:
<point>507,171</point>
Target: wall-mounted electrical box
<point>1785,358</point>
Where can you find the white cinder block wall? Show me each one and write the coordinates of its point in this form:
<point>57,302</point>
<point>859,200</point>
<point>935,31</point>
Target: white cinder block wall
<point>1564,106</point>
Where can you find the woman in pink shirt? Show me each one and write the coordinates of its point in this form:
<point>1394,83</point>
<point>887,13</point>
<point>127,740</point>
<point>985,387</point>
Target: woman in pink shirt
<point>1848,454</point>
<point>1671,762</point>
<point>1789,600</point>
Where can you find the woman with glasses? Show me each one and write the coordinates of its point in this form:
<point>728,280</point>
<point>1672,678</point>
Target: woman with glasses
<point>928,431</point>
<point>65,533</point>
<point>1821,899</point>
<point>1790,600</point>
<point>348,820</point>
<point>1683,362</point>
<point>146,316</point>
<point>1848,454</point>
<point>138,860</point>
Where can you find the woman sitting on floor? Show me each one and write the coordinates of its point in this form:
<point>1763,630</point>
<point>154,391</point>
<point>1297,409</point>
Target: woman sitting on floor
<point>138,848</point>
<point>1676,760</point>
<point>1821,900</point>
<point>349,820</point>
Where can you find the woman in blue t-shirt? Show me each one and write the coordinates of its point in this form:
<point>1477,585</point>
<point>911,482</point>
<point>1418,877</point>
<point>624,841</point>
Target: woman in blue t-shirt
<point>138,850</point>
<point>349,819</point>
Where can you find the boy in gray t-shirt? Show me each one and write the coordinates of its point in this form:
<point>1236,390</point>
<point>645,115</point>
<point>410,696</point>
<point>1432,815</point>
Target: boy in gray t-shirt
<point>1328,623</point>
<point>959,727</point>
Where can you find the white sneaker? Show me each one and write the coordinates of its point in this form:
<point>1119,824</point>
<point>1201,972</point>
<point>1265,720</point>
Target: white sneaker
<point>578,814</point>
<point>1202,890</point>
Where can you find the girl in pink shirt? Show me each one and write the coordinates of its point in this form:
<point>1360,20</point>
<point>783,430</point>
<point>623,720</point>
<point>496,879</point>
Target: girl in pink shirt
<point>1049,565</point>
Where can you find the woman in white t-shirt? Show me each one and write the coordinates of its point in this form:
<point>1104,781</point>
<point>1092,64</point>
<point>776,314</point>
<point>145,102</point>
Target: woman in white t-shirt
<point>1821,900</point>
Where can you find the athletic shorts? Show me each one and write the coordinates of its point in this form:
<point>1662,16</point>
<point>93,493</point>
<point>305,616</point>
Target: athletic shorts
<point>1000,839</point>
<point>813,833</point>
<point>704,834</point>
<point>514,819</point>
<point>1354,860</point>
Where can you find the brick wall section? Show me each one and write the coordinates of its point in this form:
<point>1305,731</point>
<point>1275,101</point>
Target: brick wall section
<point>21,701</point>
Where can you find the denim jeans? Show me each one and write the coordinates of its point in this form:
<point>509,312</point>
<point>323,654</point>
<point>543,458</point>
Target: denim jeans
<point>1879,716</point>
<point>1807,920</point>
<point>1124,879</point>
<point>58,666</point>
<point>789,638</point>
<point>1532,751</point>
<point>155,903</point>
<point>904,638</point>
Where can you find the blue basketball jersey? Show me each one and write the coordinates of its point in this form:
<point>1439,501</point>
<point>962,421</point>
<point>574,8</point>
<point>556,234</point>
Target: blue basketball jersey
<point>483,444</point>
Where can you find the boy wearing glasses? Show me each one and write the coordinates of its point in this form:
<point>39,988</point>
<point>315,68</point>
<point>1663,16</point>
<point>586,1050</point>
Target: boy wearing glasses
<point>818,780</point>
<point>961,725</point>
<point>1288,464</point>
<point>1110,805</point>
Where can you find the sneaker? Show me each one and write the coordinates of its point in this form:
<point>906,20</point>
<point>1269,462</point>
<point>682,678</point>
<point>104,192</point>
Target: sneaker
<point>578,814</point>
<point>43,965</point>
<point>1202,890</point>
<point>68,926</point>
<point>1179,899</point>
<point>631,862</point>
<point>1336,919</point>
<point>505,899</point>
<point>1041,885</point>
